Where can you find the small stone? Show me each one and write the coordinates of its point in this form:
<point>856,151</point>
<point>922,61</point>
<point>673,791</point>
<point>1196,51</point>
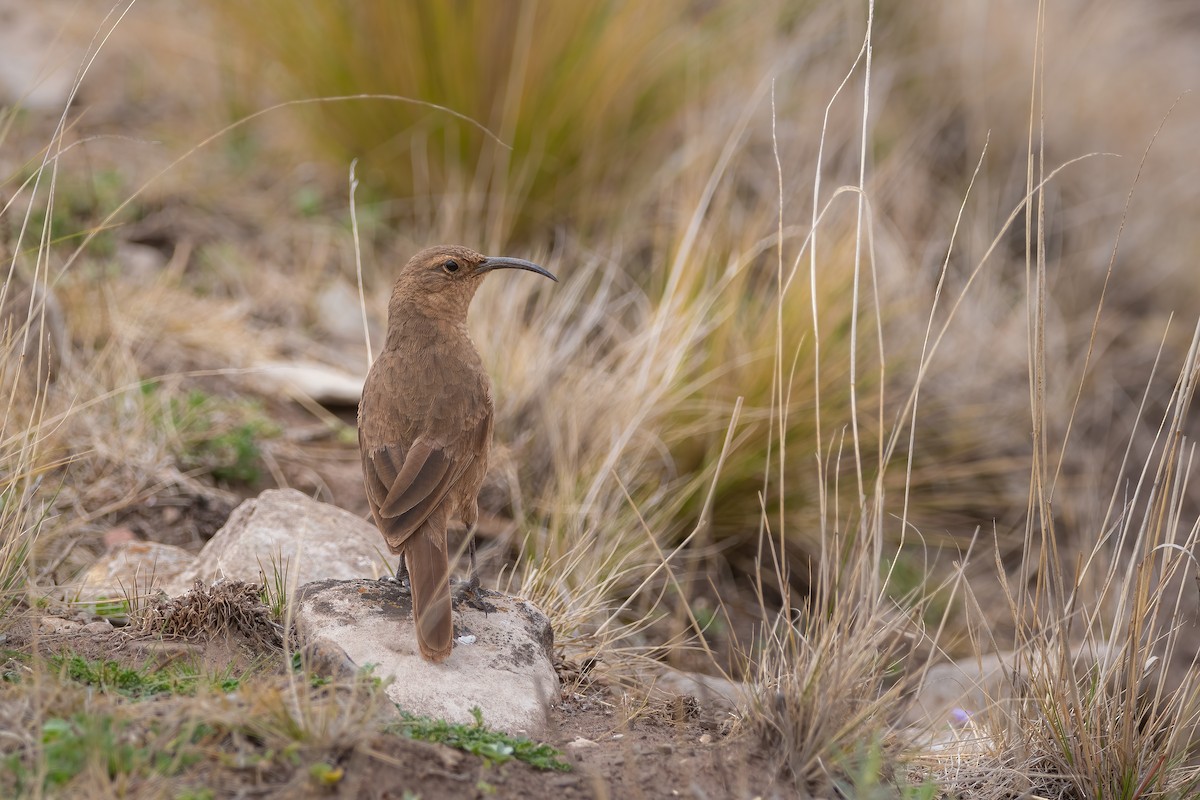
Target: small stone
<point>140,262</point>
<point>706,738</point>
<point>618,736</point>
<point>466,638</point>
<point>56,625</point>
<point>580,743</point>
<point>102,626</point>
<point>117,536</point>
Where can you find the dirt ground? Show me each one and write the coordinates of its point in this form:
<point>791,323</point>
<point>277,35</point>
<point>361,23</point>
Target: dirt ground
<point>618,745</point>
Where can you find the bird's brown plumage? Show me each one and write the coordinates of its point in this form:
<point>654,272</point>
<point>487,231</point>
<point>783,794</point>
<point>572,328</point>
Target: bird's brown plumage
<point>425,426</point>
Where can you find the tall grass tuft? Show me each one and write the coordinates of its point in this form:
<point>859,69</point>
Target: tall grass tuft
<point>1104,699</point>
<point>584,95</point>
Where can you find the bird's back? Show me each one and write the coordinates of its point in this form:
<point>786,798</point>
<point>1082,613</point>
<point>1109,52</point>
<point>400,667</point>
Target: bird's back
<point>432,386</point>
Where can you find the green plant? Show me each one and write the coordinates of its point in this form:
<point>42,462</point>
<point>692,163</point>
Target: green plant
<point>275,586</point>
<point>214,435</point>
<point>111,676</point>
<point>197,794</point>
<point>315,680</point>
<point>494,747</point>
<point>869,774</point>
<point>325,775</point>
<point>583,96</point>
<point>112,608</point>
<point>69,744</point>
<point>79,211</point>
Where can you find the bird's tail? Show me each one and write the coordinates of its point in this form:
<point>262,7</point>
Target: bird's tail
<point>429,576</point>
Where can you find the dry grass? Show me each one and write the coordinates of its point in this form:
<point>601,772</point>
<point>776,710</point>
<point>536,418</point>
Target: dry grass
<point>758,402</point>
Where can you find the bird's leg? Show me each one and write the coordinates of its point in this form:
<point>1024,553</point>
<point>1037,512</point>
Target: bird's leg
<point>471,591</point>
<point>402,577</point>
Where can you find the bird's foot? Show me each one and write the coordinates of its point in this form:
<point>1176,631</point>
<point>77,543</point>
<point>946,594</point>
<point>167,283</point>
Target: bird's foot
<point>473,595</point>
<point>405,586</point>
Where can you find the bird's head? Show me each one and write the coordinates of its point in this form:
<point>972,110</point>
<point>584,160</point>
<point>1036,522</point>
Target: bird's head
<point>442,280</point>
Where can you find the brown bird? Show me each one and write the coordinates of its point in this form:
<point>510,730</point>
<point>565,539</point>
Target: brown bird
<point>425,428</point>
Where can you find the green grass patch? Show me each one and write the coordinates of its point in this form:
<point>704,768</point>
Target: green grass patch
<point>214,435</point>
<point>114,678</point>
<point>494,747</point>
<point>71,745</point>
<point>80,205</point>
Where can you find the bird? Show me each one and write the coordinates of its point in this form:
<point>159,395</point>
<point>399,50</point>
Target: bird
<point>425,428</point>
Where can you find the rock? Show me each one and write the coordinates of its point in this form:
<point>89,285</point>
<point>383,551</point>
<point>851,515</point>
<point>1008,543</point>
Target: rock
<point>953,692</point>
<point>38,67</point>
<point>338,311</point>
<point>115,537</point>
<point>56,625</point>
<point>132,570</point>
<point>286,531</point>
<point>326,385</point>
<point>140,262</point>
<point>712,691</point>
<point>508,672</point>
<point>580,743</point>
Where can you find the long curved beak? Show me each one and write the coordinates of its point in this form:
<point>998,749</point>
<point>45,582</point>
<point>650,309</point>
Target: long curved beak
<point>513,263</point>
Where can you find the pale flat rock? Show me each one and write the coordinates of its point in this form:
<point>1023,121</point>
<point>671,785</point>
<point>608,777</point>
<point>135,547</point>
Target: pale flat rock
<point>38,67</point>
<point>711,691</point>
<point>954,692</point>
<point>507,670</point>
<point>57,625</point>
<point>286,530</point>
<point>327,385</point>
<point>133,569</point>
<point>965,684</point>
<point>338,312</point>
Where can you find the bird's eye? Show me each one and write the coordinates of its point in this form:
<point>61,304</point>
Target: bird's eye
<point>450,266</point>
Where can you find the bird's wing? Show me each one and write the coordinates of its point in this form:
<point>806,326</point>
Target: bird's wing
<point>405,487</point>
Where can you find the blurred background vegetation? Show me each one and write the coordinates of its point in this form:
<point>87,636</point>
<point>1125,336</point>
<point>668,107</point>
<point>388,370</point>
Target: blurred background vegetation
<point>731,362</point>
<point>670,161</point>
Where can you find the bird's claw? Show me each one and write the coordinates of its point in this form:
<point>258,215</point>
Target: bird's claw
<point>405,586</point>
<point>473,595</point>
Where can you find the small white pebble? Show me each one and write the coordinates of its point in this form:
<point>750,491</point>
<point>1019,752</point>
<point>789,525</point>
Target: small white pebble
<point>706,738</point>
<point>617,736</point>
<point>466,638</point>
<point>579,743</point>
